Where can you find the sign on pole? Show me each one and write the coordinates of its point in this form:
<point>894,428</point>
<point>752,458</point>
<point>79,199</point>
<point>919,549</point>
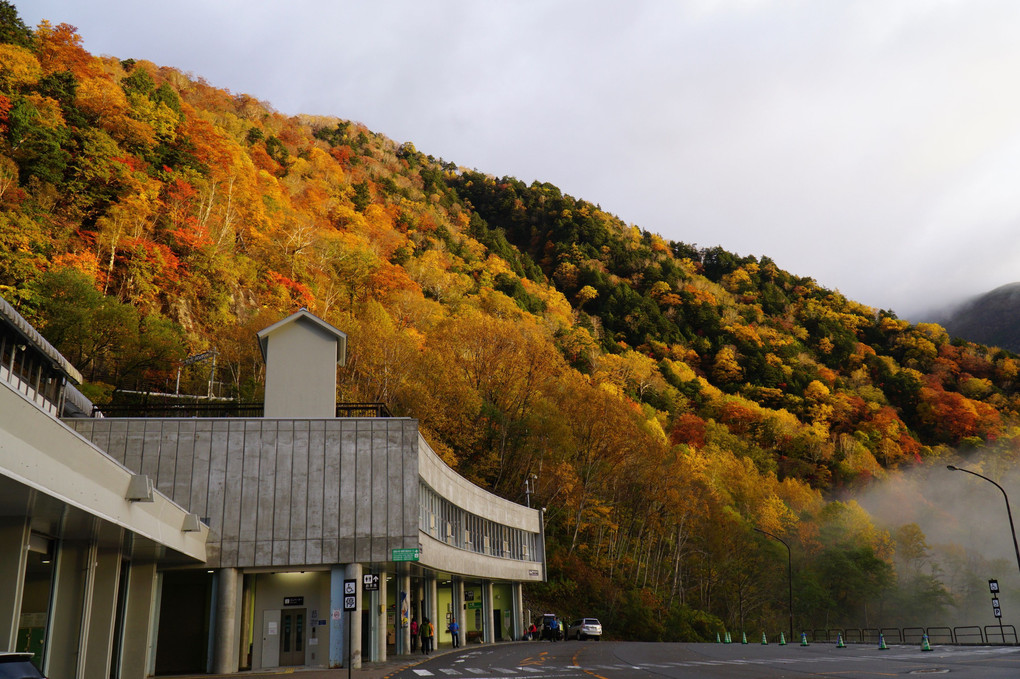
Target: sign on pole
<point>409,554</point>
<point>350,595</point>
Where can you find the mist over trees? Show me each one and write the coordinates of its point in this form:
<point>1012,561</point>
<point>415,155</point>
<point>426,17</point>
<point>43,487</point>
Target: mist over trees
<point>668,398</point>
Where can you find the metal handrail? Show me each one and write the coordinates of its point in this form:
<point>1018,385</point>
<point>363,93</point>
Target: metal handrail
<point>1000,631</point>
<point>960,635</point>
<point>913,634</point>
<point>853,635</point>
<point>222,409</point>
<point>887,633</point>
<point>967,632</point>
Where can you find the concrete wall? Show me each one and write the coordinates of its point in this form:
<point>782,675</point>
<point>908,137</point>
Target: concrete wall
<point>469,497</point>
<point>301,377</point>
<point>280,492</point>
<point>39,452</point>
<point>443,557</point>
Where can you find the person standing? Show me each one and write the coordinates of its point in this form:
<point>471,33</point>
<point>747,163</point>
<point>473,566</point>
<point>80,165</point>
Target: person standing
<point>423,629</point>
<point>414,634</point>
<point>430,636</point>
<point>455,632</point>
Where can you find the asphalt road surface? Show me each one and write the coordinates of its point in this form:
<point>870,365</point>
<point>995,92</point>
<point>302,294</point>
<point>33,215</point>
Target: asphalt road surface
<point>623,660</point>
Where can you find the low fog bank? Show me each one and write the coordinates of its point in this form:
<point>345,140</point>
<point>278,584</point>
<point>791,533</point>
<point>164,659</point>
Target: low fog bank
<point>966,536</point>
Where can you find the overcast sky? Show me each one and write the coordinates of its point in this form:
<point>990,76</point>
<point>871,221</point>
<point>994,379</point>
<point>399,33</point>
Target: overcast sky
<point>874,146</point>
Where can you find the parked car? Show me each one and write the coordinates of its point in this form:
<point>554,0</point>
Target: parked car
<point>585,628</point>
<point>552,628</point>
<point>18,666</point>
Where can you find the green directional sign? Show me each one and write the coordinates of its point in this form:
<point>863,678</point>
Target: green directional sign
<point>411,554</point>
<point>474,604</point>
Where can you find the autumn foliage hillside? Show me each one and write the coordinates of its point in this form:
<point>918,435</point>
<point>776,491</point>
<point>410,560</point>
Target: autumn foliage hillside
<point>668,399</point>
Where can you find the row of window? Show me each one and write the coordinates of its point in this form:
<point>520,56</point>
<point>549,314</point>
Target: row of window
<point>448,523</point>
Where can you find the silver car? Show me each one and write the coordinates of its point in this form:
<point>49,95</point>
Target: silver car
<point>585,628</point>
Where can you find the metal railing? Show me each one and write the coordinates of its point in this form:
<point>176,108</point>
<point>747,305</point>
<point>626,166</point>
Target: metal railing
<point>989,635</point>
<point>1004,634</point>
<point>164,410</point>
<point>965,635</point>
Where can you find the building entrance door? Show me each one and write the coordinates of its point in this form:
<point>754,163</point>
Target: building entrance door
<point>292,636</point>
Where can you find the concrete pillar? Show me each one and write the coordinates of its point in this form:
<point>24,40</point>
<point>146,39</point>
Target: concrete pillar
<point>458,607</point>
<point>382,627</point>
<point>404,589</point>
<point>246,620</point>
<point>14,537</point>
<point>371,606</point>
<point>337,631</point>
<point>354,572</point>
<point>64,624</point>
<point>225,621</point>
<point>487,623</point>
<point>101,606</point>
<point>518,610</point>
<point>139,620</point>
<point>433,603</point>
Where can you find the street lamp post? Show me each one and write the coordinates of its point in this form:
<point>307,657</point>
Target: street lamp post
<point>789,572</point>
<point>1009,513</point>
<point>529,488</point>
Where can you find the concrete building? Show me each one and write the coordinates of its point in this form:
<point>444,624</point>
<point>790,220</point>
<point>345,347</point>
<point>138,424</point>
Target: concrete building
<point>255,525</point>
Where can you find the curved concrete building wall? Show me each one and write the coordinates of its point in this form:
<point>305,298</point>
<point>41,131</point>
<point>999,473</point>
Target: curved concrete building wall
<point>442,538</point>
<point>469,497</point>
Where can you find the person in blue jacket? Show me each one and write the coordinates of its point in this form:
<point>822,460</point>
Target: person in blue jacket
<point>454,630</point>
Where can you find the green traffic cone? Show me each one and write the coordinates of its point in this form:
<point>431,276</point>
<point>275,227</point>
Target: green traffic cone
<point>743,637</point>
<point>782,639</point>
<point>881,643</point>
<point>925,646</point>
<point>717,639</point>
<point>728,640</point>
<point>839,641</point>
<point>764,639</point>
<point>803,639</point>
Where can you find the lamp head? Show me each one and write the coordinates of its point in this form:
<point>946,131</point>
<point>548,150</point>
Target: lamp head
<point>952,468</point>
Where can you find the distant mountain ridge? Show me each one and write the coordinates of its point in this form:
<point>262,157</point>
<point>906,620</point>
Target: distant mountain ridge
<point>992,319</point>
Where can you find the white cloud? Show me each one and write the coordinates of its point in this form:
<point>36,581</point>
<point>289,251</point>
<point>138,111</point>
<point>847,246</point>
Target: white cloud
<point>870,145</point>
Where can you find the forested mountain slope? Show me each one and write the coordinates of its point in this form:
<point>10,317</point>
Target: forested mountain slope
<point>669,398</point>
<point>991,318</point>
